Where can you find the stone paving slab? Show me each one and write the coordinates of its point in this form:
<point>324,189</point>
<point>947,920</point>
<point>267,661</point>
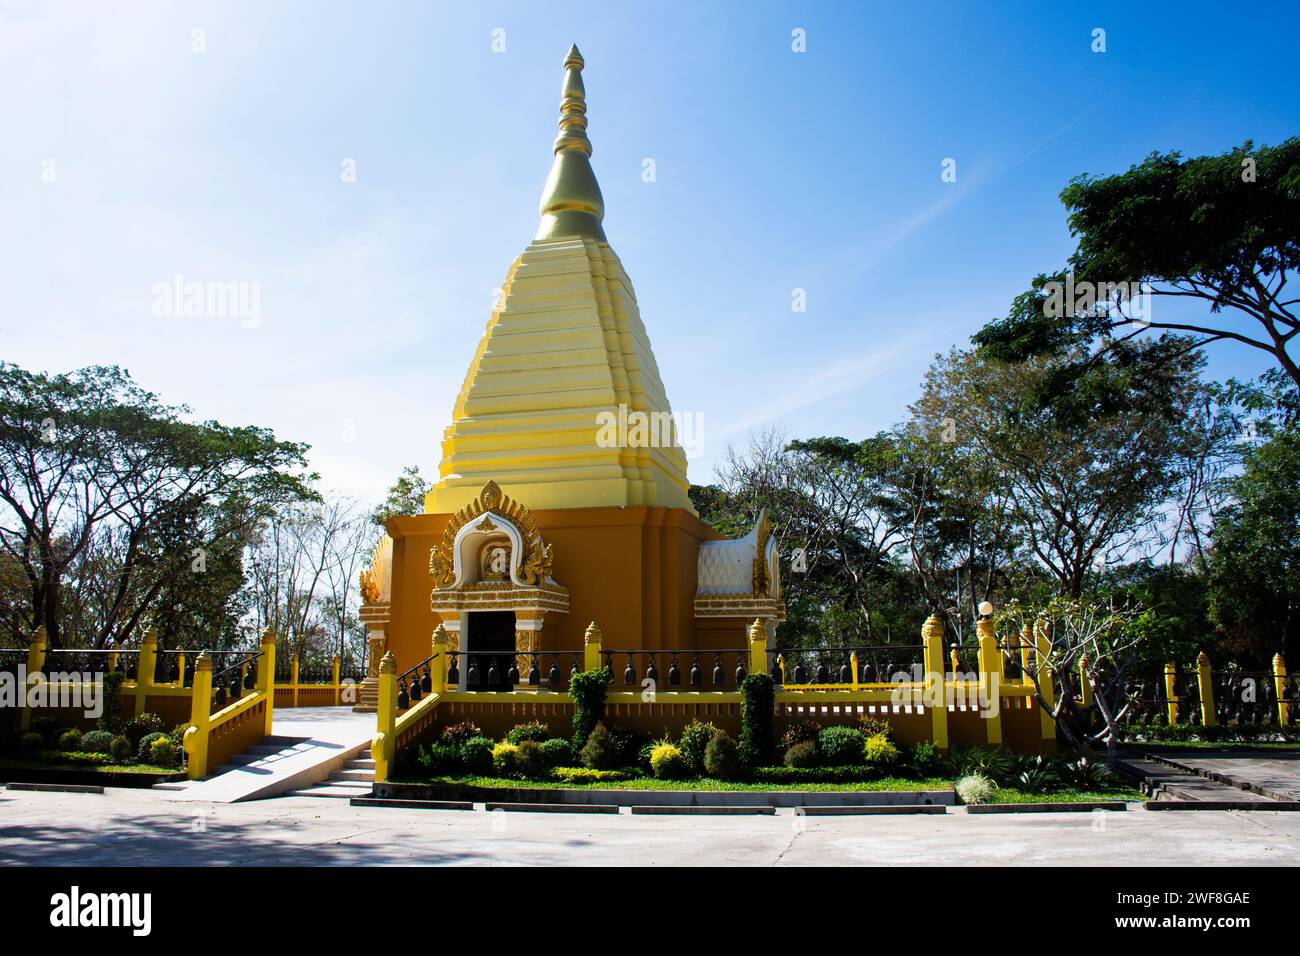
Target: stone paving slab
<point>144,828</point>
<point>1273,774</point>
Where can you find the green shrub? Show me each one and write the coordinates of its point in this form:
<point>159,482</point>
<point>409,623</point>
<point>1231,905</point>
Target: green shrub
<point>70,739</point>
<point>722,757</point>
<point>557,752</point>
<point>49,729</point>
<point>588,690</point>
<point>143,752</point>
<point>505,759</point>
<point>120,748</point>
<point>799,732</point>
<point>924,759</point>
<point>879,751</point>
<point>31,743</point>
<point>784,775</point>
<point>1085,774</point>
<point>974,789</point>
<point>530,760</point>
<point>997,763</point>
<point>802,755</point>
<point>534,730</point>
<point>873,726</point>
<point>110,720</point>
<point>643,755</point>
<point>476,755</point>
<point>599,752</point>
<point>693,742</point>
<point>162,752</point>
<point>580,775</point>
<point>840,746</point>
<point>141,726</point>
<point>667,762</point>
<point>757,700</point>
<point>626,745</point>
<point>456,734</point>
<point>437,759</point>
<point>97,742</point>
<point>177,735</point>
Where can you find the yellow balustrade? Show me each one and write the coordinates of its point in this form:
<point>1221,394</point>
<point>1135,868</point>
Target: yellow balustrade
<point>932,639</point>
<point>36,649</point>
<point>1085,685</point>
<point>1046,686</point>
<point>1171,692</point>
<point>1279,690</point>
<point>212,738</point>
<point>990,659</point>
<point>1205,685</point>
<point>591,647</point>
<point>757,647</point>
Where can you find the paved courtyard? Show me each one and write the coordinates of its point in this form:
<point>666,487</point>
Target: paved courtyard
<point>145,828</point>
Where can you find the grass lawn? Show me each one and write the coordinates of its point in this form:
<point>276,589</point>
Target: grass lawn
<point>650,783</point>
<point>20,763</point>
<point>1008,795</point>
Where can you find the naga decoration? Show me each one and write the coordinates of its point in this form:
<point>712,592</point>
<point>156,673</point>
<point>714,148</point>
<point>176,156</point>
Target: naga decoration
<point>762,578</point>
<point>535,566</point>
<point>369,589</point>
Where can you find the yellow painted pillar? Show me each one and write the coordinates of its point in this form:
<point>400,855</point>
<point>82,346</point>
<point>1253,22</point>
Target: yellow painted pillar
<point>112,657</point>
<point>853,667</point>
<point>1085,686</point>
<point>293,676</point>
<point>35,661</point>
<point>1026,650</point>
<point>1046,686</point>
<point>1205,684</point>
<point>956,662</point>
<point>266,675</point>
<point>1279,690</point>
<point>180,669</point>
<point>990,679</point>
<point>438,666</point>
<point>334,676</point>
<point>757,647</point>
<point>937,703</point>
<point>381,749</point>
<point>196,735</point>
<point>1171,692</point>
<point>591,648</point>
<point>144,670</point>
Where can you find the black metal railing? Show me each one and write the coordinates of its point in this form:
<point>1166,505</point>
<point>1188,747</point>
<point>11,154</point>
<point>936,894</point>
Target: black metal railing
<point>694,668</point>
<point>230,682</point>
<point>792,666</point>
<point>78,660</point>
<point>414,683</point>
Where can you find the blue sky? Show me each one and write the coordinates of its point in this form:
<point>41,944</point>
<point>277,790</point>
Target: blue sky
<point>775,170</point>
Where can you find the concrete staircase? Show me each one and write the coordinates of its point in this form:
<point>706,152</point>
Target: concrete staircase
<point>356,778</point>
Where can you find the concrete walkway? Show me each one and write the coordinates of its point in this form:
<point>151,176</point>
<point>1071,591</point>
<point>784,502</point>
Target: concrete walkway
<point>145,828</point>
<point>1268,772</point>
<point>309,743</point>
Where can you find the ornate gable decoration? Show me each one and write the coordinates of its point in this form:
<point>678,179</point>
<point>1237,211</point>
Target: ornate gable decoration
<point>535,562</point>
<point>762,578</point>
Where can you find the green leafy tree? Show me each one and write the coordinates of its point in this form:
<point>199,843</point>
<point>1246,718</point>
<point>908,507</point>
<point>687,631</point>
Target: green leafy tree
<point>405,496</point>
<point>1221,230</point>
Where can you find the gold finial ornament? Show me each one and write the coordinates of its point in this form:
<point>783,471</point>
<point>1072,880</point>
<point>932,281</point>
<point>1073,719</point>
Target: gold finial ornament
<point>572,205</point>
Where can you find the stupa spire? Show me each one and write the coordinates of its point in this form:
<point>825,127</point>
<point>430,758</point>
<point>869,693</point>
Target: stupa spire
<point>571,201</point>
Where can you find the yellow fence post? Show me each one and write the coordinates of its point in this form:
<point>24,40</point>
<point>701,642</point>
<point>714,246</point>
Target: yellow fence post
<point>1171,692</point>
<point>937,703</point>
<point>1279,690</point>
<point>113,656</point>
<point>334,676</point>
<point>990,678</point>
<point>266,676</point>
<point>180,669</point>
<point>956,662</point>
<point>381,750</point>
<point>35,661</point>
<point>757,647</point>
<point>1085,686</point>
<point>196,736</point>
<point>1205,685</point>
<point>144,670</point>
<point>1046,686</point>
<point>1026,650</point>
<point>438,670</point>
<point>293,676</point>
<point>591,647</point>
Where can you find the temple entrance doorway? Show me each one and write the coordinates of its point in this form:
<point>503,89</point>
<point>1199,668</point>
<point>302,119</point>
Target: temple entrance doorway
<point>491,647</point>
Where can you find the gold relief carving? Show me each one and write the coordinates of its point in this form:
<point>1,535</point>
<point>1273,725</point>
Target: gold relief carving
<point>486,525</point>
<point>536,565</point>
<point>369,590</point>
<point>762,578</point>
<point>525,642</point>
